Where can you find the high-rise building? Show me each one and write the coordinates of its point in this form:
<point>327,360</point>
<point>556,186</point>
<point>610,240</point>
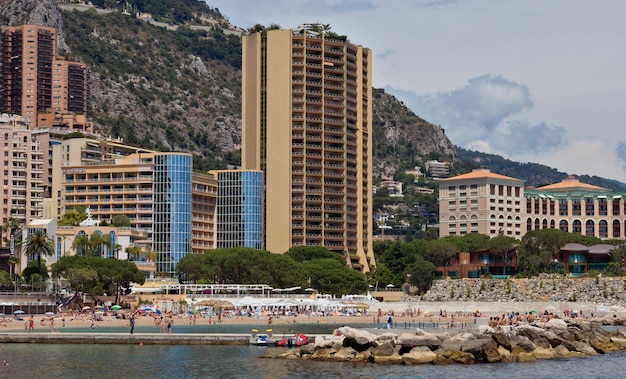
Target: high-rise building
<point>34,79</point>
<point>239,209</point>
<point>307,125</point>
<point>22,172</point>
<point>154,190</point>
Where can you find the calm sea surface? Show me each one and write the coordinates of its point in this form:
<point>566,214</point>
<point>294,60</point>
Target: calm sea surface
<point>149,361</point>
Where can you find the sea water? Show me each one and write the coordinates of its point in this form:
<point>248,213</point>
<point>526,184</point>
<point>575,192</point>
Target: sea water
<point>167,361</point>
<point>210,361</point>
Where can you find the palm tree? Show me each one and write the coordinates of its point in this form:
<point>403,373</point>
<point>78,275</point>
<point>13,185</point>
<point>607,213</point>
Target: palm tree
<point>118,248</point>
<point>81,245</point>
<point>14,260</point>
<point>38,243</point>
<point>151,256</point>
<point>97,243</point>
<point>10,225</point>
<point>133,252</point>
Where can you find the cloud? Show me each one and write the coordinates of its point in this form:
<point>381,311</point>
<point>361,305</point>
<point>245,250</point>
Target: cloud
<point>480,116</point>
<point>326,7</point>
<point>433,3</point>
<point>519,137</point>
<point>621,154</point>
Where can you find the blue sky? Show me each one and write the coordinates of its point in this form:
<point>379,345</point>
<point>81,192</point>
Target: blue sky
<point>531,80</point>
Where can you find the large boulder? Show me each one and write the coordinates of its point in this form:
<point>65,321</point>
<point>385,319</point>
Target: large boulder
<point>475,347</point>
<point>458,356</point>
<point>408,340</point>
<point>620,342</point>
<point>491,352</point>
<point>308,349</point>
<point>544,353</point>
<point>419,356</point>
<point>556,341</point>
<point>328,341</point>
<point>556,323</point>
<point>584,348</point>
<point>502,339</point>
<point>602,344</point>
<point>346,354</point>
<point>524,343</point>
<point>386,349</point>
<point>357,339</point>
<point>324,354</point>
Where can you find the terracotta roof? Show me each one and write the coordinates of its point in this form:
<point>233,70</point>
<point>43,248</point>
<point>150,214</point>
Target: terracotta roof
<point>602,248</point>
<point>574,247</point>
<point>480,174</point>
<point>571,183</point>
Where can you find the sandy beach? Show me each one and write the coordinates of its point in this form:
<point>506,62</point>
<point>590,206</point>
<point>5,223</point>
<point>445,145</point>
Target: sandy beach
<point>413,312</point>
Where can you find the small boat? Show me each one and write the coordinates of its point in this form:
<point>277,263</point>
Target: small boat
<point>296,340</point>
<point>262,339</point>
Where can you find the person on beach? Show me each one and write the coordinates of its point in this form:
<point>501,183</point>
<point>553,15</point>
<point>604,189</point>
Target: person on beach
<point>31,324</point>
<point>389,322</point>
<point>132,323</point>
<point>169,325</point>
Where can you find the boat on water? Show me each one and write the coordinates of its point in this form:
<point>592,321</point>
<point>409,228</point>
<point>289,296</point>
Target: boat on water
<point>263,339</point>
<point>296,340</point>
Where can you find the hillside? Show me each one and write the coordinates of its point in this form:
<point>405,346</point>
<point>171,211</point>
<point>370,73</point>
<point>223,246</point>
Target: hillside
<point>181,90</point>
<point>178,87</point>
<point>534,174</point>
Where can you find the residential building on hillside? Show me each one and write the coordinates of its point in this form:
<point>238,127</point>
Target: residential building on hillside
<point>481,202</point>
<point>438,169</point>
<point>34,79</point>
<point>22,172</point>
<point>307,125</point>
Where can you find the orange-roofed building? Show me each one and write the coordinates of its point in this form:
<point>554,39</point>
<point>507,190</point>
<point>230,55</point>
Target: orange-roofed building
<point>576,207</point>
<point>481,202</point>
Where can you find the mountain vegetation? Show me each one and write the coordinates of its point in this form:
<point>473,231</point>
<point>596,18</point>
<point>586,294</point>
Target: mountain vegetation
<point>534,174</point>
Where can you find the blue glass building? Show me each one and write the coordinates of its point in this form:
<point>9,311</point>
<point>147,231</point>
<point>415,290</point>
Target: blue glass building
<point>239,209</point>
<point>172,209</point>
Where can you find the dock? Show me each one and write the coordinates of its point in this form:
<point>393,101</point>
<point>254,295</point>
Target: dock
<point>127,338</point>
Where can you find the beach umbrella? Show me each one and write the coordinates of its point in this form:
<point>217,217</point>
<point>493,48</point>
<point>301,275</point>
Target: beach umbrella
<point>18,312</point>
<point>49,314</point>
<point>116,308</point>
<point>86,307</point>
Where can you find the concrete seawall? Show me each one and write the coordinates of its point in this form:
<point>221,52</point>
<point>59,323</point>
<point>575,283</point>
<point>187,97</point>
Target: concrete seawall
<point>126,339</point>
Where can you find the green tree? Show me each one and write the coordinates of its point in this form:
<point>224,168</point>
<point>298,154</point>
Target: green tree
<point>97,275</point>
<point>421,274</point>
<point>332,277</point>
<point>10,225</point>
<point>380,275</point>
<point>504,247</point>
<point>308,253</point>
<point>440,252</point>
<point>133,252</point>
<point>73,217</point>
<point>121,221</point>
<point>37,244</point>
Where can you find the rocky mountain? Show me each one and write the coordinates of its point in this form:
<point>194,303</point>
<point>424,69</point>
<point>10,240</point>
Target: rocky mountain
<point>179,88</point>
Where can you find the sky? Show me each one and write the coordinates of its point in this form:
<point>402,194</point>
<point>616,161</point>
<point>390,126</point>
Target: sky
<point>541,81</point>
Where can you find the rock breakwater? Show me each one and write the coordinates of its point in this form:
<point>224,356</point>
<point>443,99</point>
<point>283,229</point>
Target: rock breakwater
<point>522,343</point>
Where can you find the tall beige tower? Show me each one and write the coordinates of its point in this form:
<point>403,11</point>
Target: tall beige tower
<point>307,124</point>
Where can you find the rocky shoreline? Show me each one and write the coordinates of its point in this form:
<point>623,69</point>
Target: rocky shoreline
<point>556,338</point>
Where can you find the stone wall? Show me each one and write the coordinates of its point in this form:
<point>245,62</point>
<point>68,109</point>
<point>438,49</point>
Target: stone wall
<point>546,288</point>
